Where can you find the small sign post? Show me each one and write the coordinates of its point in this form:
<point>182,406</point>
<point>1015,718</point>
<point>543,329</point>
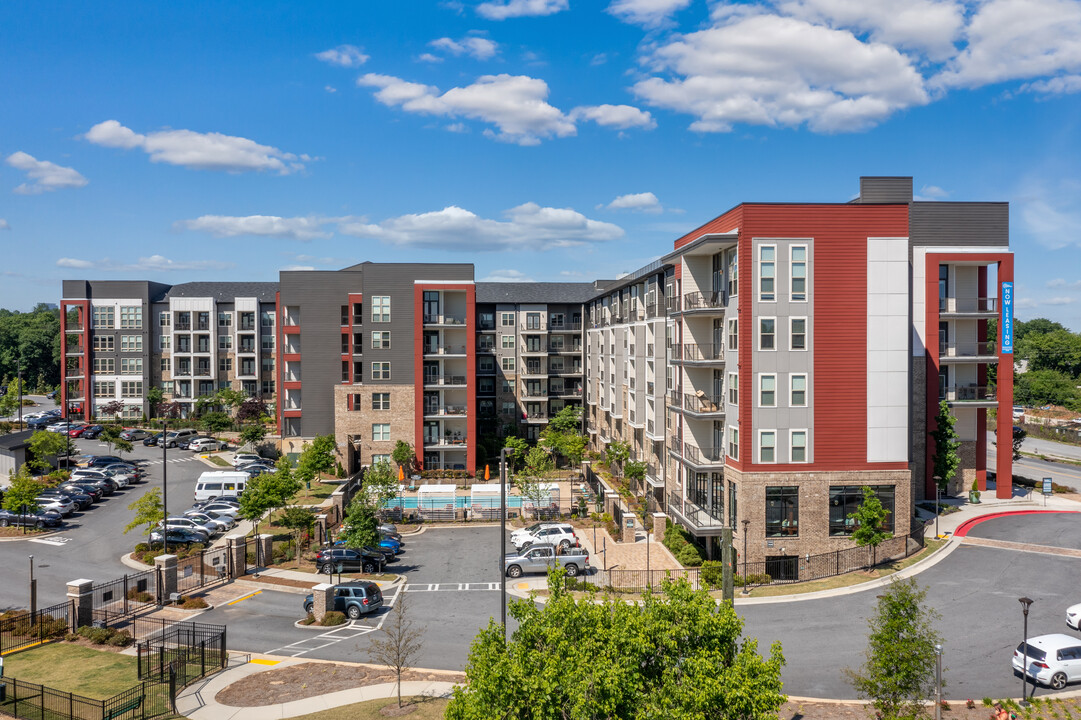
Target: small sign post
<point>1046,489</point>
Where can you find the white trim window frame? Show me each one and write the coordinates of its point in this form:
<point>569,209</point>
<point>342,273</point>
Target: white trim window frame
<point>772,335</point>
<point>797,270</point>
<point>762,390</point>
<point>733,334</point>
<point>733,388</point>
<point>793,380</point>
<point>793,345</point>
<point>767,273</point>
<point>792,445</point>
<point>760,447</point>
<point>733,442</point>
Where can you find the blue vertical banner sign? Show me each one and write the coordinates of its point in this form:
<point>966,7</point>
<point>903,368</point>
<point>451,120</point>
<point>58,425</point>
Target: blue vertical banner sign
<point>1005,330</point>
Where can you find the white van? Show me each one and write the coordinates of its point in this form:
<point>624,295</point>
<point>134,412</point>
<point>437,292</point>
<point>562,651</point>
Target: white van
<point>220,483</point>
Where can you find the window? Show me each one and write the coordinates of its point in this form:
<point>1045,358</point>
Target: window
<point>533,321</point>
<point>733,388</point>
<point>380,371</point>
<point>105,388</point>
<point>247,366</point>
<point>508,408</point>
<point>345,371</point>
<point>506,387</point>
<point>167,387</point>
<point>506,319</point>
<point>508,363</point>
<point>345,315</point>
<point>131,343</point>
<point>131,389</point>
<point>380,401</point>
<point>266,318</point>
<point>225,342</point>
<point>733,443</point>
<point>845,499</point>
<point>166,365</point>
<point>485,321</point>
<point>767,446</point>
<point>225,364</point>
<point>799,273</point>
<point>104,317</point>
<point>104,343</point>
<point>380,339</point>
<point>799,446</point>
<point>556,320</point>
<point>767,391</point>
<point>131,317</point>
<point>767,333</point>
<point>225,319</point>
<point>165,341</point>
<point>798,326</point>
<point>485,342</point>
<point>267,365</point>
<point>767,271</point>
<point>508,342</point>
<point>381,308</point>
<point>782,511</point>
<point>266,387</point>
<point>798,386</point>
<point>380,431</point>
<point>485,364</point>
<point>164,319</point>
<point>104,366</point>
<point>131,366</point>
<point>267,342</point>
<point>733,334</point>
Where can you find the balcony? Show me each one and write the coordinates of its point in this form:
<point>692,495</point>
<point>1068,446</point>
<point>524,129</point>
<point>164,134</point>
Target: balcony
<point>457,441</point>
<point>700,521</point>
<point>672,304</point>
<point>535,417</point>
<point>697,405</point>
<point>565,327</point>
<point>967,352</point>
<point>486,349</point>
<point>654,310</point>
<point>970,307</point>
<point>444,320</point>
<point>704,303</point>
<point>533,350</point>
<point>76,327</point>
<point>444,350</point>
<point>444,381</point>
<point>699,457</point>
<point>565,392</point>
<point>534,392</point>
<point>182,326</point>
<point>445,410</point>
<point>533,327</point>
<point>971,396</point>
<point>692,354</point>
<point>570,349</point>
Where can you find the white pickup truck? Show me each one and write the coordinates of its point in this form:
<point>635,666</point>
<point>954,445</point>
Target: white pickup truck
<point>540,557</point>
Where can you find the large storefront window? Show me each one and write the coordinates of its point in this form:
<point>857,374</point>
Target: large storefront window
<point>782,511</point>
<point>844,500</point>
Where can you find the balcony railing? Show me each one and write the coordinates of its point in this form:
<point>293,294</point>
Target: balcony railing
<point>690,352</point>
<point>970,393</point>
<point>443,320</point>
<point>672,304</point>
<point>534,327</point>
<point>700,404</point>
<point>445,410</point>
<point>695,515</point>
<point>181,325</point>
<point>967,305</point>
<point>535,416</point>
<point>444,349</point>
<point>534,349</point>
<point>654,310</point>
<point>456,440</point>
<point>699,455</point>
<point>564,348</point>
<point>444,379</point>
<point>566,327</point>
<point>714,300</point>
<point>535,392</point>
<point>966,350</point>
<point>73,327</point>
<point>534,370</point>
<point>566,392</point>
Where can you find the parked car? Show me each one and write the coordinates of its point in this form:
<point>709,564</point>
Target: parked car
<point>205,444</point>
<point>51,394</point>
<point>92,431</point>
<point>82,500</point>
<point>328,560</point>
<point>355,598</point>
<point>223,521</point>
<point>40,519</point>
<point>246,458</point>
<point>212,526</point>
<point>176,536</point>
<point>254,470</point>
<point>520,535</point>
<point>541,556</point>
<point>104,484</point>
<point>93,491</point>
<point>58,503</point>
<point>561,535</point>
<point>174,437</point>
<point>187,524</point>
<point>152,440</point>
<point>121,479</point>
<point>1073,617</point>
<point>103,460</point>
<point>134,473</point>
<point>134,434</point>
<point>1054,660</point>
<point>219,507</point>
<point>40,423</point>
<point>77,430</point>
<point>64,426</point>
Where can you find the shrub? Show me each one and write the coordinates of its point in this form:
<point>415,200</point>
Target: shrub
<point>753,579</point>
<point>120,638</point>
<point>142,547</point>
<point>194,603</point>
<point>308,620</point>
<point>333,618</point>
<point>712,574</point>
<point>689,556</point>
<point>140,595</point>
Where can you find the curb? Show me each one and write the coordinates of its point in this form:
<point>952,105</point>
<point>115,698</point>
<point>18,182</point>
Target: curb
<point>30,537</point>
<point>964,527</point>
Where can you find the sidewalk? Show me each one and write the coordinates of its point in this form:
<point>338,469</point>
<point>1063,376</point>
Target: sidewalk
<point>197,700</point>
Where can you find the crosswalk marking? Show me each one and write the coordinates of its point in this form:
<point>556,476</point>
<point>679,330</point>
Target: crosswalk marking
<point>55,540</point>
<point>452,587</point>
<point>350,631</point>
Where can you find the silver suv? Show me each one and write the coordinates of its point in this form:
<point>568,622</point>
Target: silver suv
<point>171,439</point>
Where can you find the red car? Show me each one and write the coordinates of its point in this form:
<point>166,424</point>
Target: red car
<point>77,431</point>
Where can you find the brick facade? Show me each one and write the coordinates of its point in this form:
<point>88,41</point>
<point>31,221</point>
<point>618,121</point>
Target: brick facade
<point>354,417</point>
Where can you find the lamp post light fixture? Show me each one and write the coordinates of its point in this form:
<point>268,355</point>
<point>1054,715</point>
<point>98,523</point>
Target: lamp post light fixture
<point>165,490</point>
<point>938,682</point>
<point>1025,603</point>
<point>503,541</point>
<point>746,585</point>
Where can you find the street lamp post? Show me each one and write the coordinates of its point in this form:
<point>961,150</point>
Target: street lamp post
<point>746,585</point>
<point>503,541</point>
<point>19,385</point>
<point>165,490</point>
<point>938,682</point>
<point>1025,603</point>
<point>33,589</point>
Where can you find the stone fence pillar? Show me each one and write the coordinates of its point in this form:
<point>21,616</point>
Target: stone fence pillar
<point>81,594</point>
<point>660,524</point>
<point>238,561</point>
<point>322,600</point>
<point>166,567</point>
<point>264,550</point>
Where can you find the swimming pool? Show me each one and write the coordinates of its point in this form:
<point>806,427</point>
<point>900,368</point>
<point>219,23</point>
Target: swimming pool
<point>460,502</point>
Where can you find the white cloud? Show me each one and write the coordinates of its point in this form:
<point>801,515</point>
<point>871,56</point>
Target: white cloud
<point>506,276</point>
<point>931,192</point>
<point>294,228</point>
<point>1050,212</point>
<point>428,57</point>
<point>617,116</point>
<point>1013,39</point>
<point>46,176</point>
<point>515,104</point>
<point>1061,282</point>
<point>599,59</point>
<point>347,56</point>
<point>648,13</point>
<point>762,69</point>
<point>521,8</point>
<point>4,224</point>
<point>1063,85</point>
<point>526,227</point>
<point>477,47</point>
<point>153,263</point>
<point>296,268</point>
<point>641,202</point>
<point>1059,301</point>
<point>1026,303</point>
<point>199,151</point>
<point>330,88</point>
<point>928,26</point>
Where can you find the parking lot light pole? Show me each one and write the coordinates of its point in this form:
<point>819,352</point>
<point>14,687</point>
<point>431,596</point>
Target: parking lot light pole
<point>938,682</point>
<point>165,489</point>
<point>503,541</point>
<point>1025,603</point>
<point>746,585</point>
<point>33,589</point>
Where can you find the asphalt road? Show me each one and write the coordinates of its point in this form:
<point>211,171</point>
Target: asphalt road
<point>1035,468</point>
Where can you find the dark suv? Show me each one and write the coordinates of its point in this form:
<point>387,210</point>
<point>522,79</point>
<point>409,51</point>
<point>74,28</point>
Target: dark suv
<point>329,560</point>
<point>355,598</point>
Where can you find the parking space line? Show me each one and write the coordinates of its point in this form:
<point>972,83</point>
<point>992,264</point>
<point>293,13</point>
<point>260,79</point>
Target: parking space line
<point>244,597</point>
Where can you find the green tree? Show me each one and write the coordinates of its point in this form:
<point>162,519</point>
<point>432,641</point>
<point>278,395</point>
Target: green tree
<point>148,511</point>
<point>268,491</point>
<point>567,420</point>
<point>944,439</point>
<point>1056,350</point>
<point>898,674</point>
<point>252,433</point>
<point>676,655</point>
<point>360,528</point>
<point>1036,388</point>
<point>299,520</point>
<point>516,450</point>
<point>36,336</point>
<point>110,434</point>
<point>870,518</point>
<point>381,483</point>
<point>635,470</point>
<point>123,446</point>
<point>403,455</point>
<point>216,423</point>
<point>617,453</point>
<point>317,457</point>
<point>43,445</point>
<point>154,398</point>
<point>9,403</point>
<point>538,461</point>
<point>1019,435</point>
<point>21,495</point>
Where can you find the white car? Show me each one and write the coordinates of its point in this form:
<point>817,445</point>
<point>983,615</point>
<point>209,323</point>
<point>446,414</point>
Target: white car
<point>245,459</point>
<point>220,508</point>
<point>1054,660</point>
<point>522,534</point>
<point>560,535</point>
<point>1073,617</point>
<point>212,526</point>
<point>225,522</point>
<point>187,524</point>
<point>206,444</point>
<point>62,505</point>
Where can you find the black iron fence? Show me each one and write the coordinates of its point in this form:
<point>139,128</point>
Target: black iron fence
<point>193,648</point>
<point>201,569</point>
<point>22,629</point>
<point>127,595</point>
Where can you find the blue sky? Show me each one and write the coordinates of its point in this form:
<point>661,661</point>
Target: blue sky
<point>539,139</point>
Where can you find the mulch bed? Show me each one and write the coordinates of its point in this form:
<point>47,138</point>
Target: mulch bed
<point>297,682</point>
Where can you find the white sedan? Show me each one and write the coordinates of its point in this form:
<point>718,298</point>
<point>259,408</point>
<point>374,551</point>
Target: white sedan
<point>206,444</point>
<point>1073,616</point>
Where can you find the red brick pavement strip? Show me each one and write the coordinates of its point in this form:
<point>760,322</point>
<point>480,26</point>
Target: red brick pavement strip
<point>1023,547</point>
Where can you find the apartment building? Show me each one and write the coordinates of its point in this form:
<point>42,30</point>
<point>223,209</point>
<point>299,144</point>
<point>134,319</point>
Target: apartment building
<point>530,354</point>
<point>123,337</point>
<point>815,372</point>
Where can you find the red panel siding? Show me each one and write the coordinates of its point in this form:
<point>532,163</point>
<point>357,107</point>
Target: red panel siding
<point>722,224</point>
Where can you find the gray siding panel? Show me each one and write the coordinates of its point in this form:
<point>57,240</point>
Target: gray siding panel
<point>885,190</point>
<point>959,224</point>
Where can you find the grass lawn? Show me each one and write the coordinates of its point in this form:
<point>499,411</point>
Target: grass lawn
<point>74,668</point>
<point>427,709</point>
<point>219,461</point>
<point>318,493</point>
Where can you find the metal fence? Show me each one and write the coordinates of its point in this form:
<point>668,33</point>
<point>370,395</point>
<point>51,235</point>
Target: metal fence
<point>201,569</point>
<point>23,629</point>
<point>127,595</point>
<point>197,648</point>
